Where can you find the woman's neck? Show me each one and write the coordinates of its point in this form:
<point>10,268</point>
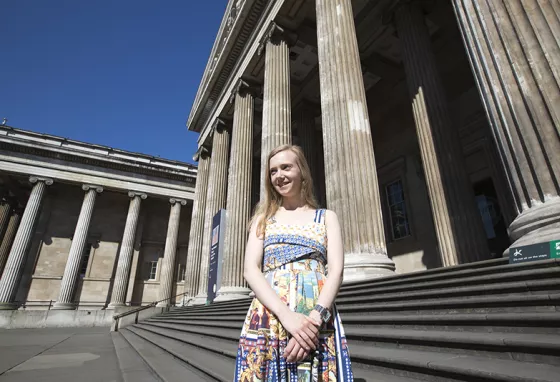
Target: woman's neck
<point>292,204</point>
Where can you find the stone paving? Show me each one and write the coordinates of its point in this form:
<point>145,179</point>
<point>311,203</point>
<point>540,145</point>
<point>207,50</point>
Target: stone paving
<point>66,354</point>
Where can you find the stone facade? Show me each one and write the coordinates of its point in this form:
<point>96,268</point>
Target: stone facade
<point>422,135</point>
<point>75,240</point>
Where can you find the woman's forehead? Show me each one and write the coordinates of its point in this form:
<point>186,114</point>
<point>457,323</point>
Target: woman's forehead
<point>283,157</point>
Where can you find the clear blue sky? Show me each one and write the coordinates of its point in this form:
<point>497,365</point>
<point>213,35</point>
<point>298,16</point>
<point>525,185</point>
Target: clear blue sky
<point>121,73</point>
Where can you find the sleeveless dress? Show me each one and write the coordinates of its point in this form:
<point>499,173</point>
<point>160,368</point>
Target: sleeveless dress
<point>294,263</point>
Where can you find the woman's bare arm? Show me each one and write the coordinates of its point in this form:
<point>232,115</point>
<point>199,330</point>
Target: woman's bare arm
<point>335,258</point>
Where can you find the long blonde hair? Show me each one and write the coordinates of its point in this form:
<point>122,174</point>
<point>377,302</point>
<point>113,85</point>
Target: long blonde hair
<point>272,200</point>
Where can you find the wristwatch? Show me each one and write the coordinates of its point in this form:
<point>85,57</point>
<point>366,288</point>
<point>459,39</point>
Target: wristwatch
<point>324,312</point>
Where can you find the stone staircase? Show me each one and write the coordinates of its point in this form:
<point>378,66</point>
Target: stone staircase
<point>486,321</point>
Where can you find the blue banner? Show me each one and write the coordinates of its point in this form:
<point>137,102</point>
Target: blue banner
<point>216,255</point>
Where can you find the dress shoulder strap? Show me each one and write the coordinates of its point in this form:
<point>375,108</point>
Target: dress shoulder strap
<point>319,216</point>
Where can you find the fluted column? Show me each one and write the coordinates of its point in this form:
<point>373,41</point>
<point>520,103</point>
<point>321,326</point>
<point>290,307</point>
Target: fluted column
<point>120,285</point>
<point>351,176</point>
<point>16,258</point>
<point>458,224</point>
<point>216,200</point>
<point>167,275</point>
<point>238,205</point>
<point>304,120</point>
<point>72,269</point>
<point>5,212</point>
<point>9,235</point>
<point>276,122</point>
<point>194,253</point>
<point>513,50</point>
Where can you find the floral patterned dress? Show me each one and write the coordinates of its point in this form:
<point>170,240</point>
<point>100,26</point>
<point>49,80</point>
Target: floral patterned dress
<point>294,265</point>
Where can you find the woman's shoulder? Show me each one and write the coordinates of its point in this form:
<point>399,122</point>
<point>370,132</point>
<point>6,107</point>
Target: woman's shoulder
<point>330,216</point>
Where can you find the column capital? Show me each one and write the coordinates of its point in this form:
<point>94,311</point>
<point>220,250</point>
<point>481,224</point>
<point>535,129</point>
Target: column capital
<point>132,194</point>
<point>243,87</point>
<point>219,126</point>
<point>275,34</point>
<point>183,202</point>
<point>202,152</point>
<point>87,187</point>
<point>34,179</point>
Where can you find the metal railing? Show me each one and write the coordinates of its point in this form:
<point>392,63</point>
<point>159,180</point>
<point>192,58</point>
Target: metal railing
<point>50,304</point>
<point>136,311</point>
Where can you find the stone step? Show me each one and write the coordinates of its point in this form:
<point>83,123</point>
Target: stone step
<point>163,364</point>
<point>431,366</point>
<point>482,304</point>
<point>504,322</point>
<point>433,301</point>
<point>532,347</point>
<point>540,322</point>
<point>132,365</point>
<point>455,272</point>
<point>365,374</point>
<point>363,353</point>
<point>527,347</point>
<point>229,333</point>
<point>229,351</point>
<point>541,279</point>
<point>213,364</point>
<point>213,306</point>
<point>224,313</point>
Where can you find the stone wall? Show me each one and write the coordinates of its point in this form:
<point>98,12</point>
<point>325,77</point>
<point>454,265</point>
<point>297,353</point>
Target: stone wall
<point>93,290</point>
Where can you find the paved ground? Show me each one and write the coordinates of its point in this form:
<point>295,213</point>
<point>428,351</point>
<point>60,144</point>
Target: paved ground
<point>61,355</point>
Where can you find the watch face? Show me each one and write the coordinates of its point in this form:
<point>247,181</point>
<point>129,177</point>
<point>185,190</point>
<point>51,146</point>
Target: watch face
<point>327,316</point>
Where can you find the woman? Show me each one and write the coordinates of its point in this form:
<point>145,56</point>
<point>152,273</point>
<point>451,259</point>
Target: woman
<point>291,241</point>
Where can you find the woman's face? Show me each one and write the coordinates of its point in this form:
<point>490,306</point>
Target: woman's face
<point>285,174</point>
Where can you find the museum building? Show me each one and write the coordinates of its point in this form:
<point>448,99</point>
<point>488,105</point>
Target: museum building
<point>432,128</point>
<point>85,226</point>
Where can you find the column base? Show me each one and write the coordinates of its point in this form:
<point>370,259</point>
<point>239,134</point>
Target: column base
<point>232,293</point>
<point>367,266</point>
<point>64,306</point>
<point>8,306</point>
<point>535,219</point>
<point>199,300</point>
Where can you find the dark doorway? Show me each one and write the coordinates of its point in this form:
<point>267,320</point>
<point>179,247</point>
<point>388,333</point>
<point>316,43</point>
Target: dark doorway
<point>492,219</point>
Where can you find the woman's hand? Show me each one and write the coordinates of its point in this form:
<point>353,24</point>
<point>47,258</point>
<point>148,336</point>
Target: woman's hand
<point>294,352</point>
<point>303,329</point>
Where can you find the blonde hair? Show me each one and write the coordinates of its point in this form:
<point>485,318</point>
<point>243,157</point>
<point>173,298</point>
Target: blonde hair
<point>272,200</point>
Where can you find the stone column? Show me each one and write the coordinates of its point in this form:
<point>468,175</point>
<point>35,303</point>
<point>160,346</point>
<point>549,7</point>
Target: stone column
<point>16,259</point>
<point>458,224</point>
<point>276,122</point>
<point>238,204</point>
<point>120,285</point>
<point>304,118</point>
<point>351,177</point>
<point>216,200</point>
<point>9,235</point>
<point>513,50</point>
<point>5,212</point>
<point>194,253</point>
<point>72,269</point>
<point>170,252</point>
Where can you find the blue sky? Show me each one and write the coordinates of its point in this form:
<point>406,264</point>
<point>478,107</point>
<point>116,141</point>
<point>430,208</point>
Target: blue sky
<point>121,73</point>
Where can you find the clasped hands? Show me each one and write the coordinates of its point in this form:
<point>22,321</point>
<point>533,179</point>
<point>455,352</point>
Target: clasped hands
<point>305,335</point>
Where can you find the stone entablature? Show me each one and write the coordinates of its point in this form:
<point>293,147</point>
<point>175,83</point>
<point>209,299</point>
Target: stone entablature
<point>218,84</point>
<point>24,153</point>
